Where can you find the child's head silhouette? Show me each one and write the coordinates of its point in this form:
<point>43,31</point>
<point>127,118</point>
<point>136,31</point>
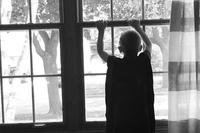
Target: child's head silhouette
<point>130,43</point>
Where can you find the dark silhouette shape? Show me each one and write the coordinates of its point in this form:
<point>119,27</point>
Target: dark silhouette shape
<point>129,83</point>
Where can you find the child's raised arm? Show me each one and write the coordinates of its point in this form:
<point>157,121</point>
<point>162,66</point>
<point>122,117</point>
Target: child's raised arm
<point>101,25</point>
<point>148,46</point>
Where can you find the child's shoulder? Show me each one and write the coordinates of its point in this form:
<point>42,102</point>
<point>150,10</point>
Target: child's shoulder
<point>113,60</point>
<point>145,55</point>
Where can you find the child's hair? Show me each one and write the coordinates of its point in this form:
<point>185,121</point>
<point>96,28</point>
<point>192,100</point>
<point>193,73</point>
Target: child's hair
<point>130,41</point>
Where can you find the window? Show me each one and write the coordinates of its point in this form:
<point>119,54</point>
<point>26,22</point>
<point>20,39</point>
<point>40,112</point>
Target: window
<point>154,16</point>
<point>41,45</point>
<point>30,74</point>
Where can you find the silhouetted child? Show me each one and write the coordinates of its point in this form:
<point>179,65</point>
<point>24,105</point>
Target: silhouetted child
<point>129,83</point>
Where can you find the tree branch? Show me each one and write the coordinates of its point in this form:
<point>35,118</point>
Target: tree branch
<point>54,34</point>
<point>38,48</point>
<point>54,37</point>
<point>44,36</point>
<point>53,44</point>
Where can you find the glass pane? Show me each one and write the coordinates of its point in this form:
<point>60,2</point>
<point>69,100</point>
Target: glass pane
<point>117,33</point>
<point>45,11</point>
<point>15,53</point>
<point>127,9</point>
<point>46,52</point>
<point>96,10</point>
<point>157,9</point>
<point>92,62</point>
<point>14,12</point>
<point>95,98</point>
<point>159,36</point>
<point>48,99</point>
<point>161,95</point>
<point>17,100</point>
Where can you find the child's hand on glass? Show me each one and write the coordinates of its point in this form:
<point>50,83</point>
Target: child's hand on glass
<point>134,23</point>
<point>101,25</point>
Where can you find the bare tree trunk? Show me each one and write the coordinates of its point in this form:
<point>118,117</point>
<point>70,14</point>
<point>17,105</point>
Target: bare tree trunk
<point>50,67</point>
<point>54,98</point>
<point>49,61</point>
<point>52,84</point>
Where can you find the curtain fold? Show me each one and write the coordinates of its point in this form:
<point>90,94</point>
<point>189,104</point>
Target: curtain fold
<point>184,68</point>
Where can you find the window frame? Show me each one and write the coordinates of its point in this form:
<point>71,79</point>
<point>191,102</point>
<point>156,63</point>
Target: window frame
<point>161,125</point>
<point>72,68</point>
<point>29,27</point>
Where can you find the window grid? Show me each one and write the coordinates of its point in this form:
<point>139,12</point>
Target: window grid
<point>116,23</point>
<point>32,86</point>
<point>142,9</point>
<point>111,7</point>
<point>31,64</point>
<point>30,10</point>
<point>32,76</point>
<point>88,74</point>
<point>144,22</point>
<point>29,27</point>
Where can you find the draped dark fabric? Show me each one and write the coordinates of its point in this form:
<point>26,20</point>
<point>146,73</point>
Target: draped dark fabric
<point>184,68</point>
<point>129,95</point>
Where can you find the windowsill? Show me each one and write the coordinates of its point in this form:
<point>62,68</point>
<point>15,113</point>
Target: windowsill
<point>98,127</point>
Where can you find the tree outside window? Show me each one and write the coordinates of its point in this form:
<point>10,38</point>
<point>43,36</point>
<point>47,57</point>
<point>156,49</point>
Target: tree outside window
<point>37,65</point>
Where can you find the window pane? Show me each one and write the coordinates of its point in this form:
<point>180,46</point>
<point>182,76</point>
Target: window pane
<point>15,53</point>
<point>117,33</point>
<point>17,100</point>
<point>95,98</point>
<point>92,62</point>
<point>96,10</point>
<point>159,36</point>
<point>127,9</point>
<point>45,11</point>
<point>46,52</point>
<point>161,95</point>
<point>14,12</point>
<point>48,99</point>
<point>157,9</point>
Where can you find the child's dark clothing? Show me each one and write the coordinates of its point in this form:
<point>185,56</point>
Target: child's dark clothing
<point>129,95</point>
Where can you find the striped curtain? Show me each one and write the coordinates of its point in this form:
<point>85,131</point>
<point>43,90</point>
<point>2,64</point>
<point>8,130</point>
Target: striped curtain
<point>184,68</point>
